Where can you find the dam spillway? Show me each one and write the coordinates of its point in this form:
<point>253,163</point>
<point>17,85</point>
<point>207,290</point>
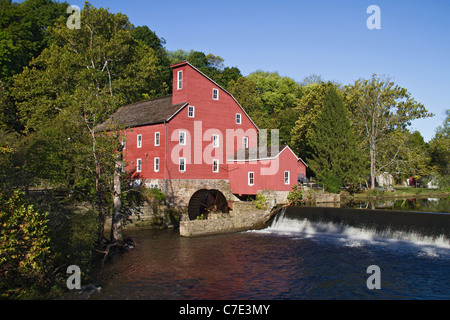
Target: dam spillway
<point>417,227</point>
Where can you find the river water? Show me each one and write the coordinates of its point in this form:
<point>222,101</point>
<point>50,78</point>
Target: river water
<point>290,260</point>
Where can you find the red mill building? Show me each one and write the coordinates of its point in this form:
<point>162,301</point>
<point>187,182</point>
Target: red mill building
<point>199,144</point>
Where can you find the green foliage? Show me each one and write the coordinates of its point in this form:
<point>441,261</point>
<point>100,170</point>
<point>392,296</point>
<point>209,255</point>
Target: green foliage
<point>440,148</point>
<point>270,100</point>
<point>381,110</point>
<point>24,245</point>
<point>309,107</point>
<point>260,201</point>
<point>335,159</point>
<point>211,65</point>
<point>295,196</point>
<point>331,183</point>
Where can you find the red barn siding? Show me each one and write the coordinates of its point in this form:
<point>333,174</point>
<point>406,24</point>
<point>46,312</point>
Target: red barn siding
<point>285,161</point>
<point>211,117</point>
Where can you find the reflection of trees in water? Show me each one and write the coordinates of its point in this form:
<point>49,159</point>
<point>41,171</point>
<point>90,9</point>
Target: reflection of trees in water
<point>427,204</point>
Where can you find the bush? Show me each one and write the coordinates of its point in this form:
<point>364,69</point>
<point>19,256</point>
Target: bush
<point>260,201</point>
<point>332,183</point>
<point>24,246</point>
<point>295,196</point>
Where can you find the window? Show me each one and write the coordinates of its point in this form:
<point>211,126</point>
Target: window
<point>156,139</point>
<point>139,165</point>
<point>245,142</point>
<point>215,140</point>
<point>251,178</point>
<point>182,138</point>
<point>238,118</point>
<point>180,80</point>
<point>191,111</point>
<point>182,164</point>
<point>215,165</point>
<point>156,165</point>
<point>139,141</point>
<point>215,94</point>
<point>286,177</point>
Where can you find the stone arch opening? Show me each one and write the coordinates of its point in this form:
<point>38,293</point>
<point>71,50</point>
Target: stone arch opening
<point>205,201</point>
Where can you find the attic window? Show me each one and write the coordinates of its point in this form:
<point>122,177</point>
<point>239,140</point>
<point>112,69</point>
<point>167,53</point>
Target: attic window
<point>238,118</point>
<point>180,80</point>
<point>215,94</point>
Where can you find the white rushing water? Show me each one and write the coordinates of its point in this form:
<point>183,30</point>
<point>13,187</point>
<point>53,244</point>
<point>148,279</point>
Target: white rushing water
<point>353,236</point>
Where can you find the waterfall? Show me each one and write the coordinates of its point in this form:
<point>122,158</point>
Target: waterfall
<point>365,225</point>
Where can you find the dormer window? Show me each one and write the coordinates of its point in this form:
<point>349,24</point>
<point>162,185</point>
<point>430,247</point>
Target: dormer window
<point>180,80</point>
<point>215,94</point>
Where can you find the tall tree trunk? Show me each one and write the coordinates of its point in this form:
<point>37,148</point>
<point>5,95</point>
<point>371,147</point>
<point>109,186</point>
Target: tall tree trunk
<point>116,227</point>
<point>372,166</point>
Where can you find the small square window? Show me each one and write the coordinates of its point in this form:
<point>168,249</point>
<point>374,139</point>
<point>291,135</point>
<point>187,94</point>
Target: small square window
<point>251,178</point>
<point>157,138</point>
<point>182,164</point>
<point>238,118</point>
<point>215,94</point>
<point>191,111</point>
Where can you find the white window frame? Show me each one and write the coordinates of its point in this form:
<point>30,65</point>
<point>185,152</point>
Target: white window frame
<point>288,177</point>
<point>182,160</point>
<point>139,165</point>
<point>182,134</point>
<point>157,139</point>
<point>139,141</point>
<point>191,108</point>
<point>215,94</point>
<point>216,141</point>
<point>180,80</point>
<point>238,118</point>
<point>251,178</point>
<point>245,142</point>
<point>215,165</point>
<point>156,164</point>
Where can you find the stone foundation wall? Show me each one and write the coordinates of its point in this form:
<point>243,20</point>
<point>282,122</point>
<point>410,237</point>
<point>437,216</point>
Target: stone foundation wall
<point>244,216</point>
<point>180,191</point>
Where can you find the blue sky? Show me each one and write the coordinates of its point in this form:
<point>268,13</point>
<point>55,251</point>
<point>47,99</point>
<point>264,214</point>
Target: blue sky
<point>329,38</point>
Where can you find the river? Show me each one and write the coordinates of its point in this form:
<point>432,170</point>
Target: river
<point>286,261</point>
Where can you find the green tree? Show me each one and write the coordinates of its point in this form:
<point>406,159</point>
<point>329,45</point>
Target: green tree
<point>380,111</point>
<point>309,107</point>
<point>439,149</point>
<point>72,87</point>
<point>270,100</point>
<point>336,159</point>
<point>211,65</point>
